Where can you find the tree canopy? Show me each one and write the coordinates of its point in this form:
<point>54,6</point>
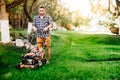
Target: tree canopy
<point>56,10</point>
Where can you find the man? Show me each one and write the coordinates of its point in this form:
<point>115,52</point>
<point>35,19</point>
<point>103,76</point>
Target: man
<point>41,25</point>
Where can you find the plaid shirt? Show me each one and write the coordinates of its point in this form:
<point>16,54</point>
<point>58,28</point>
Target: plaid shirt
<point>40,24</point>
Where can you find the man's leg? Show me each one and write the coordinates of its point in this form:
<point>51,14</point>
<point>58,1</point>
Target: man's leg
<point>48,53</point>
<point>48,48</point>
<point>40,46</point>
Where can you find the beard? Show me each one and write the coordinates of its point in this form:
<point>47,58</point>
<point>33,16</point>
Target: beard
<point>42,14</point>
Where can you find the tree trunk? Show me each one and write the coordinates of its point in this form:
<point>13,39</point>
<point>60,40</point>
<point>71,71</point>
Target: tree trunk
<point>108,5</point>
<point>3,13</point>
<point>28,14</point>
<point>118,6</point>
<point>4,23</point>
<point>32,7</point>
<point>14,4</point>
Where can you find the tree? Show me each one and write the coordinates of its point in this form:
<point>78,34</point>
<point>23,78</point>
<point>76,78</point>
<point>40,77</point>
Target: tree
<point>118,7</point>
<point>29,13</point>
<point>109,5</point>
<point>3,13</point>
<point>14,3</point>
<point>4,23</point>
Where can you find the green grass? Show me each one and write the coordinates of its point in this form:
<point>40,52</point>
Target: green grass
<point>74,56</point>
<point>16,32</point>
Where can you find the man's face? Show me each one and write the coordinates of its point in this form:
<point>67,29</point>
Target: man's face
<point>42,11</point>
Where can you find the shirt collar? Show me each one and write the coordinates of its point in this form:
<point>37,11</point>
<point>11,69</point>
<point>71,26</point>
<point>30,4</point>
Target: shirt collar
<point>43,16</point>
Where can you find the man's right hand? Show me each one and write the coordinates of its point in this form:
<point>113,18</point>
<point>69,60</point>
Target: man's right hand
<point>34,29</point>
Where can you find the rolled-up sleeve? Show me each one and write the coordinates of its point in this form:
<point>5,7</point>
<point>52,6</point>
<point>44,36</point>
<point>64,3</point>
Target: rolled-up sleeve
<point>34,22</point>
<point>50,21</point>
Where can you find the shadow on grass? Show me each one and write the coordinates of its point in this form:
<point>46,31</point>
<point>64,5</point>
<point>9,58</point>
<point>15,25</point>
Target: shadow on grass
<point>97,39</point>
<point>110,59</point>
<point>108,39</point>
<point>9,57</point>
<point>112,40</point>
<point>3,66</point>
<point>79,59</point>
<point>116,49</point>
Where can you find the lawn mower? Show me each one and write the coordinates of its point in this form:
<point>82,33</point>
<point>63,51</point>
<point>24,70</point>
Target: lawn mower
<point>32,59</point>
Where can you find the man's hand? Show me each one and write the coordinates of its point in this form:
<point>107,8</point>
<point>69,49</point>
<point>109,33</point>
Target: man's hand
<point>34,29</point>
<point>45,29</point>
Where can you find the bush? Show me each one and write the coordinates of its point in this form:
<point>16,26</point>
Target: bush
<point>114,30</point>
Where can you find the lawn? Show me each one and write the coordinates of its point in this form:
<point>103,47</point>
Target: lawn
<point>74,56</point>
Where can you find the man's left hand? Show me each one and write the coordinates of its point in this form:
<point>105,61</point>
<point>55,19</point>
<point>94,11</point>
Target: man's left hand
<point>45,29</point>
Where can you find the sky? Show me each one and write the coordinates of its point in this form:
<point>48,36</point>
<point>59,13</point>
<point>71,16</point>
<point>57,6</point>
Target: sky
<point>76,4</point>
<point>82,5</point>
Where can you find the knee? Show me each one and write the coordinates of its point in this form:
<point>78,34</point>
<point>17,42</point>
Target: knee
<point>39,45</point>
<point>48,47</point>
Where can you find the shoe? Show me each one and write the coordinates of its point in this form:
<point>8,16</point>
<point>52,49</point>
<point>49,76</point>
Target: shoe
<point>43,61</point>
<point>47,62</point>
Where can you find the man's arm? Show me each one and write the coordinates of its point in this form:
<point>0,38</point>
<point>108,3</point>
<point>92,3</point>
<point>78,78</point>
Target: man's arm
<point>34,29</point>
<point>34,25</point>
<point>50,24</point>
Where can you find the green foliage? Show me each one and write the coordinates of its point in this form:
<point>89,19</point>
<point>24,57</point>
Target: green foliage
<point>17,9</point>
<point>65,20</point>
<point>78,19</point>
<point>15,33</point>
<point>109,20</point>
<point>9,1</point>
<point>74,56</point>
